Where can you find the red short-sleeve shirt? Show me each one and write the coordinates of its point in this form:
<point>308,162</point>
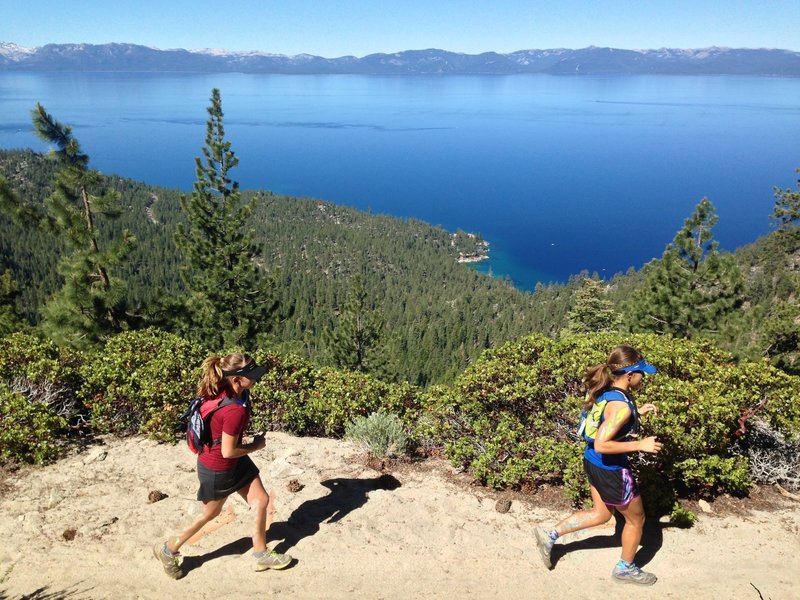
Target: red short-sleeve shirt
<point>231,419</point>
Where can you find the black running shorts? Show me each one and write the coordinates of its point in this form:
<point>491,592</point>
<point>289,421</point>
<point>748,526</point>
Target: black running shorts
<point>616,488</point>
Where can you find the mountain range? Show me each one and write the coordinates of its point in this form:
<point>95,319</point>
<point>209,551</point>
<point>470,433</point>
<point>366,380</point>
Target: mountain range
<point>586,61</point>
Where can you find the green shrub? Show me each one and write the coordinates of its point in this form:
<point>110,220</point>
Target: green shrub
<point>43,373</point>
<point>141,382</point>
<point>37,359</point>
<point>280,397</point>
<point>339,397</point>
<point>511,417</point>
<point>682,517</point>
<point>381,434</point>
<point>28,429</point>
<point>293,395</point>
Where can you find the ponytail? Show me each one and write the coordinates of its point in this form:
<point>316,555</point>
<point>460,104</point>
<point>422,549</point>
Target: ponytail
<point>597,379</point>
<point>214,381</point>
<point>210,383</point>
<point>601,376</point>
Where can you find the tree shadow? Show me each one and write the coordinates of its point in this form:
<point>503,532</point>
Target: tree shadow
<point>45,593</point>
<point>652,541</point>
<point>346,496</point>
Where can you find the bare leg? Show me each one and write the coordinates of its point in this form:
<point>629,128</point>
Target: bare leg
<point>258,499</point>
<point>211,509</point>
<point>632,531</point>
<point>599,514</point>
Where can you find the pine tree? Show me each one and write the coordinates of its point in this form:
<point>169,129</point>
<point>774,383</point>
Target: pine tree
<point>786,213</point>
<point>591,311</point>
<point>10,319</point>
<point>9,202</point>
<point>692,288</point>
<point>780,334</point>
<point>232,297</point>
<point>353,342</point>
<point>780,331</point>
<point>91,304</point>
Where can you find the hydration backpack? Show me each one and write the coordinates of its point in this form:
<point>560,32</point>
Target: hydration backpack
<point>592,419</point>
<point>198,421</point>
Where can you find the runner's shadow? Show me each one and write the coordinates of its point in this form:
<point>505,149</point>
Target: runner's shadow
<point>652,540</point>
<point>234,548</point>
<point>346,495</point>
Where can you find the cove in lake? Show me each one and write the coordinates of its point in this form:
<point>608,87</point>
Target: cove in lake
<point>559,174</point>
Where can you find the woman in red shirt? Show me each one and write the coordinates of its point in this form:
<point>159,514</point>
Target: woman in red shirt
<point>224,467</point>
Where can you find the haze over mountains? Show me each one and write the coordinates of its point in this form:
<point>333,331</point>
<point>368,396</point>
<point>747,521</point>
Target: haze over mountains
<point>585,61</point>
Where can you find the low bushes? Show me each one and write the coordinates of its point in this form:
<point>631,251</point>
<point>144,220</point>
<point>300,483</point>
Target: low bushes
<point>141,382</point>
<point>509,419</point>
<point>298,397</point>
<point>28,429</point>
<point>39,402</point>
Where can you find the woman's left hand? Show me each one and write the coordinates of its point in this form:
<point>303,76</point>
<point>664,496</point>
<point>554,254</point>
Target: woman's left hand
<point>648,408</point>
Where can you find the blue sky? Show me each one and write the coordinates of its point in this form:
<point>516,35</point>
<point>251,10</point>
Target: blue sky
<point>332,28</point>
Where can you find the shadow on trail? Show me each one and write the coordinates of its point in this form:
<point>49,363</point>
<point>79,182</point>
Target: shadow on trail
<point>652,540</point>
<point>46,593</point>
<point>346,496</point>
<point>235,548</point>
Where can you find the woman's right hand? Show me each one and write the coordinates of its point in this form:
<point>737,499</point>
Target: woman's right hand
<point>650,445</point>
<point>258,442</point>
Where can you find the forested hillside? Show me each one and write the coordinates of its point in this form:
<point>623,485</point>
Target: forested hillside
<point>438,315</point>
<point>430,316</point>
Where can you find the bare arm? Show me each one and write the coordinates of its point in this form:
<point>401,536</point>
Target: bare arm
<point>231,448</point>
<point>615,416</point>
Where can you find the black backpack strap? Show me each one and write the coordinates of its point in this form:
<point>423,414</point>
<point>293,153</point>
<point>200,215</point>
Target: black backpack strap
<point>227,401</point>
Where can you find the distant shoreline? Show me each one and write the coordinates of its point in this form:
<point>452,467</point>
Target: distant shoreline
<point>472,259</point>
<point>593,60</point>
<point>480,253</point>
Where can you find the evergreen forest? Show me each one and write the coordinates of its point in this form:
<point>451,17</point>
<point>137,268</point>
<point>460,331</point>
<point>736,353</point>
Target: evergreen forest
<point>436,315</point>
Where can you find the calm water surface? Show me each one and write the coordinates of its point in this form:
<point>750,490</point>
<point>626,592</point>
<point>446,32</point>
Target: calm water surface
<point>560,174</point>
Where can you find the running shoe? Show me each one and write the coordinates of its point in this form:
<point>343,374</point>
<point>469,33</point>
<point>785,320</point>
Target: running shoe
<point>171,563</point>
<point>272,560</point>
<point>545,544</point>
<point>633,575</point>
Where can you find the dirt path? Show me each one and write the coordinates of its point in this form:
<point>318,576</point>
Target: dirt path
<point>354,533</point>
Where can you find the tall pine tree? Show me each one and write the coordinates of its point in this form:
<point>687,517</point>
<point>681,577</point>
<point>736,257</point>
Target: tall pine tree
<point>354,341</point>
<point>780,330</point>
<point>692,288</point>
<point>91,304</point>
<point>231,294</point>
<point>10,318</point>
<point>786,212</point>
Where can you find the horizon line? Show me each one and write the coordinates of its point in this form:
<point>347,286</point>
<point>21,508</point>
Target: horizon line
<point>226,52</point>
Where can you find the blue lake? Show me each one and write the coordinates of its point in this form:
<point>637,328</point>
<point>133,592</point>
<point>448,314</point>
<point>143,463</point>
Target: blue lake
<point>560,174</point>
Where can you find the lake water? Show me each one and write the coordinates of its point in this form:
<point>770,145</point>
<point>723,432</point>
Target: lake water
<point>560,174</point>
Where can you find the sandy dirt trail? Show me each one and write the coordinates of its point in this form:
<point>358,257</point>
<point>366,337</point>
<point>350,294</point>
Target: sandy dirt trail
<point>354,533</point>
